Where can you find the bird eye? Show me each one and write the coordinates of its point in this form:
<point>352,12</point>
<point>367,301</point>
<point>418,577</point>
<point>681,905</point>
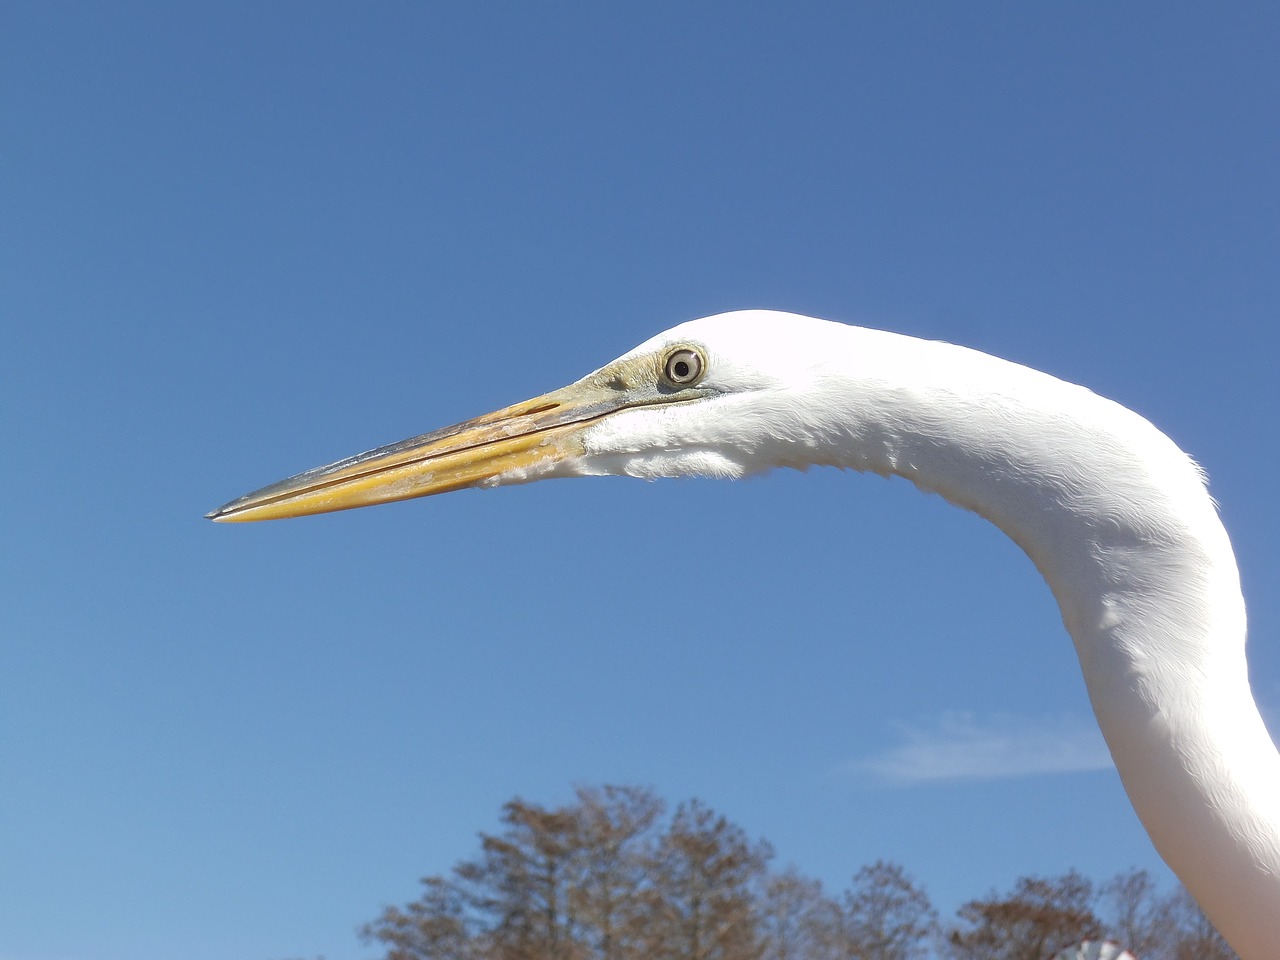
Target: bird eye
<point>683,367</point>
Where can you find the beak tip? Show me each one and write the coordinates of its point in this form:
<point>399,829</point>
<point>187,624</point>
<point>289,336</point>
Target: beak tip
<point>219,515</point>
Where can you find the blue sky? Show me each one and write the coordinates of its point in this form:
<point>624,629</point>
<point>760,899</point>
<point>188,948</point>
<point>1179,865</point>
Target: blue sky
<point>242,240</point>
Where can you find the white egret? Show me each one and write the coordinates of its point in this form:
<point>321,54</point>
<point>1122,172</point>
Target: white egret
<point>1114,515</point>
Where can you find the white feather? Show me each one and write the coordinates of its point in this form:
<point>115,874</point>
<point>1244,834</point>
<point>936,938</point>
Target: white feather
<point>1113,514</point>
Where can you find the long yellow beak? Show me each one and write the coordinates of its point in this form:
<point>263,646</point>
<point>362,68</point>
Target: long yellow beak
<point>516,443</point>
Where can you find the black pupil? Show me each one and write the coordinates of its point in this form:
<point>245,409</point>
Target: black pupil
<point>681,368</point>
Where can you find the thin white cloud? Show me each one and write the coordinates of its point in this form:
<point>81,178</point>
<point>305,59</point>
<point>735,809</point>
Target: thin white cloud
<point>961,746</point>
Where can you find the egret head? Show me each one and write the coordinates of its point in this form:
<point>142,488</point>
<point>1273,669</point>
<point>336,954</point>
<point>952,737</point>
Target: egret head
<point>703,398</point>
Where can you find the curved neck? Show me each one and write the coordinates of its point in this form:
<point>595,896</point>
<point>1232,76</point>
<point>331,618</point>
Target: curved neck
<point>1119,523</point>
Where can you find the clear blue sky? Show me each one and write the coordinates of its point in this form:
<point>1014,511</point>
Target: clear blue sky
<point>242,240</point>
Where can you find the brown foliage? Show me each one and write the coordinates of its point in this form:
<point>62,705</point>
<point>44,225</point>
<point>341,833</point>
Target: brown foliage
<point>610,876</point>
<point>886,916</point>
<point>1041,917</point>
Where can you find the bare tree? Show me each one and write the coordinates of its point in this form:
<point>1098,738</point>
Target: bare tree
<point>433,927</point>
<point>1041,917</point>
<point>885,916</point>
<point>609,876</point>
<point>1141,918</point>
<point>514,902</point>
<point>593,880</point>
<point>1196,939</point>
<point>522,880</point>
<point>1154,925</point>
<point>612,867</point>
<point>796,920</point>
<point>702,905</point>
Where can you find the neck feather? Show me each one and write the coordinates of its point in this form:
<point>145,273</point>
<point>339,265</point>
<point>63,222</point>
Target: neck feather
<point>1118,521</point>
